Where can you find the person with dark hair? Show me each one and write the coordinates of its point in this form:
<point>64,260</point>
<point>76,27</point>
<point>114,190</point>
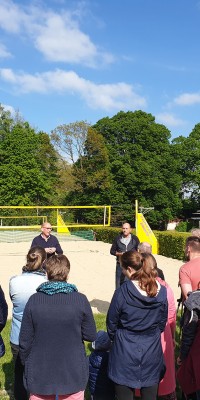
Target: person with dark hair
<point>56,322</point>
<point>3,319</point>
<point>21,287</point>
<point>188,374</point>
<point>189,272</point>
<point>3,309</point>
<point>136,317</point>
<point>49,242</point>
<point>100,386</point>
<point>123,242</point>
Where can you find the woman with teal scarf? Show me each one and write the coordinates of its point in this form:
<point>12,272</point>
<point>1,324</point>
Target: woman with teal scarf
<point>56,322</point>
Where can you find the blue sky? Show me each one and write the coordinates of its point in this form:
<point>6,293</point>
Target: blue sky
<point>63,61</point>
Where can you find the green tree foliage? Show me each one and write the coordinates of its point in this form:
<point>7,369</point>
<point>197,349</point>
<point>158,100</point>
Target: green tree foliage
<point>187,152</point>
<point>141,163</point>
<point>91,171</point>
<point>69,141</point>
<point>92,178</point>
<point>28,172</point>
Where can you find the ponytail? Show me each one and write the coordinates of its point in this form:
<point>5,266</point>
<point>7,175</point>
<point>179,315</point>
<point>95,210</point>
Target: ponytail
<point>34,259</point>
<point>144,273</point>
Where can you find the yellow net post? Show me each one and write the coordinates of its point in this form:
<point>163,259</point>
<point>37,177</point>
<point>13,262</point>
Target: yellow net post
<point>61,227</point>
<point>143,230</point>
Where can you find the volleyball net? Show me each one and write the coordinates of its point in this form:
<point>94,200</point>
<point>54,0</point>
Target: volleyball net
<point>19,223</point>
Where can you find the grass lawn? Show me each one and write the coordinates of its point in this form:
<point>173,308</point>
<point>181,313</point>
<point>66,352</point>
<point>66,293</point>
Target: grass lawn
<point>6,363</point>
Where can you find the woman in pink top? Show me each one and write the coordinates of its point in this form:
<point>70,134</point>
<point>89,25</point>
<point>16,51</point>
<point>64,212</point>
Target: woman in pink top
<point>167,387</point>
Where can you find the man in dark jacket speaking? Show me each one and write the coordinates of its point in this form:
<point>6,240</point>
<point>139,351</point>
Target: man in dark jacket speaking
<point>49,242</point>
<point>125,241</point>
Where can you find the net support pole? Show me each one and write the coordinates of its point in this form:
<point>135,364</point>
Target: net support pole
<point>104,216</point>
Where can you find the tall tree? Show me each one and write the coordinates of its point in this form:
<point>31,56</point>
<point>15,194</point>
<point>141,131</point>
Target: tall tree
<point>187,153</point>
<point>69,140</point>
<point>91,171</point>
<point>28,164</point>
<point>141,162</point>
<point>92,178</point>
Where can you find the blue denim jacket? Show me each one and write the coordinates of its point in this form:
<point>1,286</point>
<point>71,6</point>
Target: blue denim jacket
<point>21,287</point>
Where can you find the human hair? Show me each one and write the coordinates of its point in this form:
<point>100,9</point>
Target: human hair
<point>144,247</point>
<point>34,259</point>
<point>57,267</point>
<point>144,273</point>
<point>194,243</point>
<point>195,232</point>
<point>45,223</point>
<point>151,261</point>
<point>127,222</point>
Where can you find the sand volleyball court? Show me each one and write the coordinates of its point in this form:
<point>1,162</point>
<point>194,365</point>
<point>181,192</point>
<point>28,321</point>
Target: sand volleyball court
<point>92,269</point>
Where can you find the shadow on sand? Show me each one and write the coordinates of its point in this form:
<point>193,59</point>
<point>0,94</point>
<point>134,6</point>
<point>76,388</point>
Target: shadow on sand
<point>102,306</point>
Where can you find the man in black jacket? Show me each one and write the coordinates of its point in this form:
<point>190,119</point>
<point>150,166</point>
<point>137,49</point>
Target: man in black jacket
<point>47,241</point>
<point>125,241</point>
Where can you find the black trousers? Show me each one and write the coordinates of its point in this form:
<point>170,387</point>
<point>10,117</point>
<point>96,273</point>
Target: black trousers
<point>127,393</point>
<point>20,392</point>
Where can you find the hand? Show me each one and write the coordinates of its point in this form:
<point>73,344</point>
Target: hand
<point>47,249</point>
<point>178,361</point>
<point>50,250</point>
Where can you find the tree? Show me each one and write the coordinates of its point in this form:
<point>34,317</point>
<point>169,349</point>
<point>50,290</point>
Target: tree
<point>187,153</point>
<point>70,139</point>
<point>141,162</point>
<point>92,177</point>
<point>27,164</point>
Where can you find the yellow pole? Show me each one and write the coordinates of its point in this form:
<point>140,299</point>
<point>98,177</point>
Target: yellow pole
<point>136,216</point>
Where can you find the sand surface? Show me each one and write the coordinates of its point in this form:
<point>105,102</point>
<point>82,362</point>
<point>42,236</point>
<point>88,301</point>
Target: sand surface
<point>92,269</point>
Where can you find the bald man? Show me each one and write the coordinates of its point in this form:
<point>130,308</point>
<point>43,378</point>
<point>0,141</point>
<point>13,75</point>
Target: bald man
<point>123,242</point>
<point>49,242</point>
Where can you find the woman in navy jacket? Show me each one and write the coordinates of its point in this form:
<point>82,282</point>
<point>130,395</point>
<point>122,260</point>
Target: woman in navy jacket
<point>56,322</point>
<point>136,317</point>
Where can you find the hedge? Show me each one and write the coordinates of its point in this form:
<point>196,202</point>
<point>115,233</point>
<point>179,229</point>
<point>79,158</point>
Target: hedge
<point>170,243</point>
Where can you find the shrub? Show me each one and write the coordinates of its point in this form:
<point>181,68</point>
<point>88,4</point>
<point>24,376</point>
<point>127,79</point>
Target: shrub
<point>170,243</point>
<point>184,226</point>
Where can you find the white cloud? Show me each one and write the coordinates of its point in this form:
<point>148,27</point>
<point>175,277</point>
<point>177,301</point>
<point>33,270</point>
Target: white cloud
<point>10,16</point>
<point>116,96</point>
<point>8,108</point>
<point>4,53</point>
<point>56,35</point>
<point>169,120</point>
<point>61,40</point>
<point>187,99</point>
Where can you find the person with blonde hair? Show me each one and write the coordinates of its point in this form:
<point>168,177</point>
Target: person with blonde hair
<point>195,232</point>
<point>21,287</point>
<point>56,322</point>
<point>136,317</point>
